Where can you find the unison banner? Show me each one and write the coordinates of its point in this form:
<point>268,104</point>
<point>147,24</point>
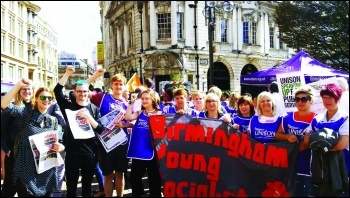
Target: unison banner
<point>207,158</point>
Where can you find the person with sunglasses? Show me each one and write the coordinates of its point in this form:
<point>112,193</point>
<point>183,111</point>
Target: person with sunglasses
<point>34,119</point>
<point>292,130</point>
<point>335,119</point>
<point>9,131</point>
<point>80,153</point>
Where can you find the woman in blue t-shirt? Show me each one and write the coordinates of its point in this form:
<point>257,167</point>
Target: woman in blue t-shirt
<point>264,125</point>
<point>244,114</point>
<point>292,130</point>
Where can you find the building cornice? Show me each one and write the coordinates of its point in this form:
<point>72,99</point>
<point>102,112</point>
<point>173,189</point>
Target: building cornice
<point>32,6</point>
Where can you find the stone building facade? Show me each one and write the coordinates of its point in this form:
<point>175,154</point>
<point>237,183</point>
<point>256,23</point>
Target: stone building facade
<point>246,41</point>
<point>28,45</point>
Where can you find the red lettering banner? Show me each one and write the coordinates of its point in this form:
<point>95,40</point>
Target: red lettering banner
<point>207,158</point>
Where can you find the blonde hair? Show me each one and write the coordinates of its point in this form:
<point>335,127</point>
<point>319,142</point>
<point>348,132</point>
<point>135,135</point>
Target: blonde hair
<point>179,92</point>
<point>232,100</point>
<point>19,100</point>
<point>198,93</point>
<point>213,96</point>
<point>215,90</point>
<point>118,77</point>
<point>268,95</point>
<point>154,97</point>
<point>305,89</point>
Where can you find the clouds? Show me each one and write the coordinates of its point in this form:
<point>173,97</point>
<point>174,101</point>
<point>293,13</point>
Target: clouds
<point>76,23</point>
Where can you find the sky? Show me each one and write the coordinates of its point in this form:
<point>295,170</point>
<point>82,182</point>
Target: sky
<point>77,24</point>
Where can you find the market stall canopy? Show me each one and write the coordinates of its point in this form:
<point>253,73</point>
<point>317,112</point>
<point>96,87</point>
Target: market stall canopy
<point>310,67</point>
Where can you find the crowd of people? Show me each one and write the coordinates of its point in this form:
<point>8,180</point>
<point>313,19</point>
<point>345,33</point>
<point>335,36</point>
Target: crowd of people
<point>27,111</point>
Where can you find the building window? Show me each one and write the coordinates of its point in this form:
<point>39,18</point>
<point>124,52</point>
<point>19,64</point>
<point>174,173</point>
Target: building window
<point>12,24</point>
<point>180,25</point>
<point>12,46</point>
<point>3,42</point>
<point>164,25</point>
<point>20,72</point>
<point>20,29</point>
<point>281,43</point>
<point>20,50</point>
<point>116,41</point>
<point>254,30</point>
<point>2,18</point>
<point>122,46</point>
<point>11,72</point>
<point>131,35</point>
<point>224,30</point>
<point>271,37</point>
<point>20,9</point>
<point>245,32</point>
<point>2,71</point>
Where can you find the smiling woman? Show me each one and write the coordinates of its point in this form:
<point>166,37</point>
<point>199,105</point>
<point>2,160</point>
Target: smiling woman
<point>33,119</point>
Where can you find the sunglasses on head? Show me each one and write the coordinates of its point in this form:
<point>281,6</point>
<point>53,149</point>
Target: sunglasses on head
<point>302,99</point>
<point>43,98</point>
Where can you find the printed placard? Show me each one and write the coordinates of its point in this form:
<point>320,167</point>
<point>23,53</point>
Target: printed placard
<point>287,84</point>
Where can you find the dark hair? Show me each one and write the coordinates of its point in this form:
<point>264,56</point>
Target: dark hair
<point>91,87</point>
<point>333,90</point>
<point>98,90</point>
<point>3,93</point>
<point>245,99</point>
<point>148,82</point>
<point>169,92</point>
<point>273,87</point>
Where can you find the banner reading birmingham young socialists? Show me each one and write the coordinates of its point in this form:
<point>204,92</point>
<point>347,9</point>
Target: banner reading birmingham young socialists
<point>206,158</point>
<point>287,84</point>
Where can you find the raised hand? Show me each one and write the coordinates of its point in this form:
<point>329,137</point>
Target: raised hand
<point>100,71</point>
<point>70,70</point>
<point>24,82</point>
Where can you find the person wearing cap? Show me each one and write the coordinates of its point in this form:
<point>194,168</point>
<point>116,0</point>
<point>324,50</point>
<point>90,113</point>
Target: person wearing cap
<point>273,89</point>
<point>80,153</point>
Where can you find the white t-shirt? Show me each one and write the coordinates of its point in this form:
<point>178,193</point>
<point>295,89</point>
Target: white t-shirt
<point>279,103</point>
<point>344,102</point>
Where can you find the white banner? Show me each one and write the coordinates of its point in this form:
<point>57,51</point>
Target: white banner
<point>44,158</point>
<point>80,127</point>
<point>287,84</point>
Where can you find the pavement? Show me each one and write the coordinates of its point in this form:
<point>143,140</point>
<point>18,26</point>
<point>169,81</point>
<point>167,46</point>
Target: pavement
<point>127,191</point>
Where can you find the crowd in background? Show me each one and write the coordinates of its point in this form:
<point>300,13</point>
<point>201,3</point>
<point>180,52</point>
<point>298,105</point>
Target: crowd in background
<point>27,111</point>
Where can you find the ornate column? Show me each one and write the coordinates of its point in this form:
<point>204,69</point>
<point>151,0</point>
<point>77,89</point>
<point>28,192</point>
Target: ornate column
<point>240,29</point>
<point>189,21</point>
<point>173,23</point>
<point>153,24</point>
<point>275,37</point>
<point>234,28</point>
<point>267,34</point>
<point>261,32</point>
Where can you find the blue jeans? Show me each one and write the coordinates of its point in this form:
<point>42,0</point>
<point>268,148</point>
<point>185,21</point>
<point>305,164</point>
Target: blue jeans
<point>304,187</point>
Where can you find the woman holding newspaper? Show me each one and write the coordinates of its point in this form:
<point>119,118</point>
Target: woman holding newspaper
<point>140,148</point>
<point>35,120</point>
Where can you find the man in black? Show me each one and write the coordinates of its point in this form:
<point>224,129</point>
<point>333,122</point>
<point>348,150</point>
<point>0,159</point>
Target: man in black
<point>79,152</point>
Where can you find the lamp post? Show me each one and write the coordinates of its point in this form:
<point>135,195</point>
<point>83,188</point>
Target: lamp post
<point>140,7</point>
<point>195,39</point>
<point>210,10</point>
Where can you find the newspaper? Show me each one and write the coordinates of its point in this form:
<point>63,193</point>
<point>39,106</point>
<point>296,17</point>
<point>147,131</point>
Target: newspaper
<point>112,137</point>
<point>80,127</point>
<point>44,158</point>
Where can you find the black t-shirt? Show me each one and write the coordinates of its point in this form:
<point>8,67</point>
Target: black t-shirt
<point>77,146</point>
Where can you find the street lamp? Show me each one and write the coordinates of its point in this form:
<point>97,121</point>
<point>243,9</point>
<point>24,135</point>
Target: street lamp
<point>140,7</point>
<point>210,10</point>
<point>195,39</point>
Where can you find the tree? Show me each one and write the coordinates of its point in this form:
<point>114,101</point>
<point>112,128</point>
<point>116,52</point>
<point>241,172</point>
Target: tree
<point>319,27</point>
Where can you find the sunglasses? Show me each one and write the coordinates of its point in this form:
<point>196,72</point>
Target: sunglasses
<point>82,91</point>
<point>209,101</point>
<point>302,99</point>
<point>43,98</point>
